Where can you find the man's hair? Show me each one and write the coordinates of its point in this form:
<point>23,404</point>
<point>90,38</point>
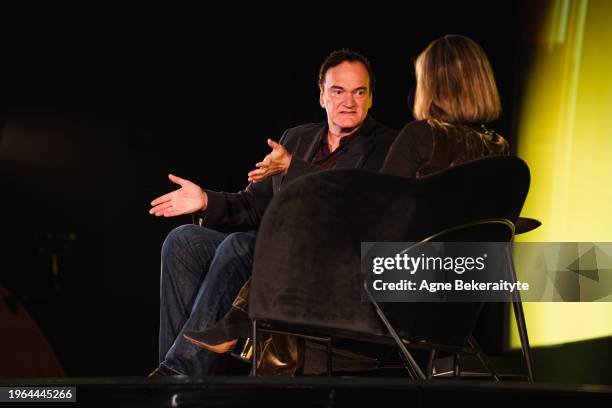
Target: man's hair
<point>455,83</point>
<point>338,57</point>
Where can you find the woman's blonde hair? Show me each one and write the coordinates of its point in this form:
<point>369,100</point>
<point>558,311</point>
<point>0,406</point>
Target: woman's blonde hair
<point>455,83</point>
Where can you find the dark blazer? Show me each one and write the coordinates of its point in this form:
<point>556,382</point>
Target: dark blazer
<point>244,210</point>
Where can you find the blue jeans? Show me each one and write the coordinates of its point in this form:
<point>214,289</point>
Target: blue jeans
<point>202,271</point>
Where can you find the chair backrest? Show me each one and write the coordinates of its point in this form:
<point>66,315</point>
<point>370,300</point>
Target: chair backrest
<point>447,323</point>
<point>307,259</point>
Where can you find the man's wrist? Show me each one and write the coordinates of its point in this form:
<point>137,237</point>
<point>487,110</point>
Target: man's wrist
<point>204,201</point>
<point>287,164</point>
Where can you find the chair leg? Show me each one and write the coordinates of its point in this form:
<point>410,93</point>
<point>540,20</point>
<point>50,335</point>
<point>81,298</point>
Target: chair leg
<point>430,364</point>
<point>255,353</point>
<point>522,329</point>
<point>328,346</point>
<point>483,358</point>
<point>456,365</point>
<point>411,365</point>
<point>519,316</point>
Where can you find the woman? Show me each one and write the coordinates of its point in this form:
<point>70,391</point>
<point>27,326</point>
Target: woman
<point>455,97</point>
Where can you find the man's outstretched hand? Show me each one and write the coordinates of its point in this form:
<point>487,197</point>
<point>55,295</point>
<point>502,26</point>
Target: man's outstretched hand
<point>277,161</point>
<point>187,199</point>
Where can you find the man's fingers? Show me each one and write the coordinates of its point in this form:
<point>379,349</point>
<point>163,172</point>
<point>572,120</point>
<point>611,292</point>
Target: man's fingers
<point>176,179</point>
<point>162,199</point>
<point>161,207</point>
<point>166,211</point>
<point>273,144</point>
<point>171,213</point>
<point>255,176</point>
<point>257,172</point>
<point>265,162</point>
<point>162,211</point>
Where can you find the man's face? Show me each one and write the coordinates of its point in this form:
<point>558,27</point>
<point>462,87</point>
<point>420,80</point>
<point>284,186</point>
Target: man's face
<point>346,96</point>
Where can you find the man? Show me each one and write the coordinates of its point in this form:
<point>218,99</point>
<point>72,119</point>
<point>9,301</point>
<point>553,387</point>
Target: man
<point>203,268</point>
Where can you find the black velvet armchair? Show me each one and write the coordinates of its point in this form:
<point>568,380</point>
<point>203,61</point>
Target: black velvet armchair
<point>306,274</point>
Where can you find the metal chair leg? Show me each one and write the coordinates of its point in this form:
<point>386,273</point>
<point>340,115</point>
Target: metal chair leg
<point>483,358</point>
<point>522,329</point>
<point>456,365</point>
<point>411,365</point>
<point>430,364</point>
<point>255,353</point>
<point>329,353</point>
<point>519,316</point>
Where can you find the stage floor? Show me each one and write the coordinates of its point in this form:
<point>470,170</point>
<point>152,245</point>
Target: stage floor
<point>312,392</point>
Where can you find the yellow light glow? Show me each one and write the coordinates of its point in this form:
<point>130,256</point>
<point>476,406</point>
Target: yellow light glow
<point>565,136</point>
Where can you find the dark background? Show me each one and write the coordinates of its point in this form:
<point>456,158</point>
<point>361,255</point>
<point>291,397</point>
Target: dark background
<point>95,113</point>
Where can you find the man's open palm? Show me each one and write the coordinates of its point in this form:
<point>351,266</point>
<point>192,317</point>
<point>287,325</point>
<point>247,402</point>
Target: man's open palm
<point>187,199</point>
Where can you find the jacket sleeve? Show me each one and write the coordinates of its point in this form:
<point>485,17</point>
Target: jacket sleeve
<point>237,211</point>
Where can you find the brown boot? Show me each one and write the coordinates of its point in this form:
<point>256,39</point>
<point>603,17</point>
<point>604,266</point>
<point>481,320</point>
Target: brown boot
<point>217,348</point>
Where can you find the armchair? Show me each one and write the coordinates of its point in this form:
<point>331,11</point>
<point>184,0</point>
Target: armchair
<point>306,275</point>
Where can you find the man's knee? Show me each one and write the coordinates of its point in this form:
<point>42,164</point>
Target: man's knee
<point>192,241</point>
<point>240,244</point>
<point>178,238</point>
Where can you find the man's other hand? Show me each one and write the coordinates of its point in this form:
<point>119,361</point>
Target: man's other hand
<point>187,199</point>
<point>276,162</point>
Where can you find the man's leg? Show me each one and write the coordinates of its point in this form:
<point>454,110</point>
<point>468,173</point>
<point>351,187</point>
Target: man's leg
<point>229,270</point>
<point>186,256</point>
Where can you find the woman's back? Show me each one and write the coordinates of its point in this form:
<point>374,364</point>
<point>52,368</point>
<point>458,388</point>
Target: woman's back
<point>426,146</point>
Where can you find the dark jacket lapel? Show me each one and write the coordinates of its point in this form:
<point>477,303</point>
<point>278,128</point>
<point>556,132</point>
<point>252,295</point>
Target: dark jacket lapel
<point>314,144</point>
<point>357,151</point>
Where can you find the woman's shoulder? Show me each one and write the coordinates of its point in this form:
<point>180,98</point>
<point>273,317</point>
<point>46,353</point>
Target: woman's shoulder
<point>411,149</point>
<point>415,132</point>
<point>417,126</point>
<point>416,137</point>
